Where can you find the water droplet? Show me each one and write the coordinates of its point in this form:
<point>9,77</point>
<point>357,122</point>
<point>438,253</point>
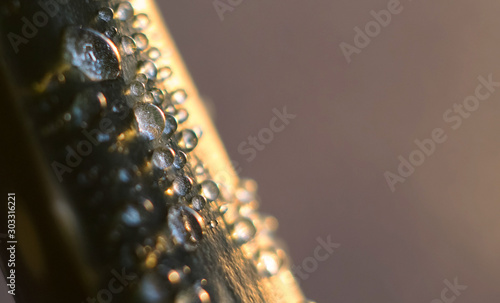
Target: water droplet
<point>157,96</point>
<point>94,54</point>
<point>243,231</point>
<point>179,96</point>
<point>136,88</point>
<point>164,73</point>
<point>182,185</point>
<point>105,14</point>
<point>198,202</point>
<point>111,32</point>
<point>186,225</point>
<point>269,262</point>
<point>154,54</point>
<point>141,78</point>
<point>187,140</point>
<point>128,45</point>
<point>124,11</point>
<point>210,190</point>
<point>150,120</point>
<point>181,115</point>
<point>140,22</point>
<point>141,41</point>
<point>170,125</point>
<point>163,157</point>
<point>148,68</point>
<point>180,160</point>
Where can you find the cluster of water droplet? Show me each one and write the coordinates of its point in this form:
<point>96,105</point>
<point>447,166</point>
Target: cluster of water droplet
<point>158,116</point>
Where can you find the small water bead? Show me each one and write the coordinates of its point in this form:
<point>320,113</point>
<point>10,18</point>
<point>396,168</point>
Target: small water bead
<point>141,78</point>
<point>111,32</point>
<point>182,185</point>
<point>180,160</point>
<point>181,115</point>
<point>150,120</point>
<point>178,97</point>
<point>124,11</point>
<point>198,131</point>
<point>141,41</point>
<point>157,96</point>
<point>198,202</point>
<point>140,22</point>
<point>243,231</point>
<point>94,54</point>
<point>187,140</point>
<point>164,157</point>
<point>137,88</point>
<point>164,73</point>
<point>170,125</point>
<point>128,45</point>
<point>147,68</point>
<point>154,54</point>
<point>105,14</point>
<point>210,190</point>
<point>269,262</point>
<point>186,226</point>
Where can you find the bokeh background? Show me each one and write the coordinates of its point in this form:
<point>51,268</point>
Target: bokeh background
<point>323,175</point>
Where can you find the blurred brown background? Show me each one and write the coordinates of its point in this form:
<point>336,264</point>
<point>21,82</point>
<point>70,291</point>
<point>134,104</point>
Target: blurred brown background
<point>323,175</point>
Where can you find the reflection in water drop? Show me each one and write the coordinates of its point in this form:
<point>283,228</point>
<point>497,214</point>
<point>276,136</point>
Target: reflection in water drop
<point>147,68</point>
<point>182,185</point>
<point>154,53</point>
<point>180,160</point>
<point>243,231</point>
<point>170,125</point>
<point>105,14</point>
<point>150,120</point>
<point>141,41</point>
<point>137,88</point>
<point>178,96</point>
<point>269,262</point>
<point>124,11</point>
<point>164,73</point>
<point>187,140</point>
<point>186,225</point>
<point>210,190</point>
<point>198,202</point>
<point>163,157</point>
<point>140,22</point>
<point>94,54</point>
<point>128,45</point>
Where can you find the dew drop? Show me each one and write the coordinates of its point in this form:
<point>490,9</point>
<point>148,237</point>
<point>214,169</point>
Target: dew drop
<point>94,54</point>
<point>210,190</point>
<point>170,125</point>
<point>136,88</point>
<point>187,140</point>
<point>128,45</point>
<point>141,41</point>
<point>180,160</point>
<point>150,120</point>
<point>186,225</point>
<point>147,68</point>
<point>111,32</point>
<point>163,157</point>
<point>164,73</point>
<point>269,262</point>
<point>182,185</point>
<point>182,115</point>
<point>105,14</point>
<point>154,53</point>
<point>243,231</point>
<point>124,11</point>
<point>157,96</point>
<point>198,202</point>
<point>179,96</point>
<point>140,22</point>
